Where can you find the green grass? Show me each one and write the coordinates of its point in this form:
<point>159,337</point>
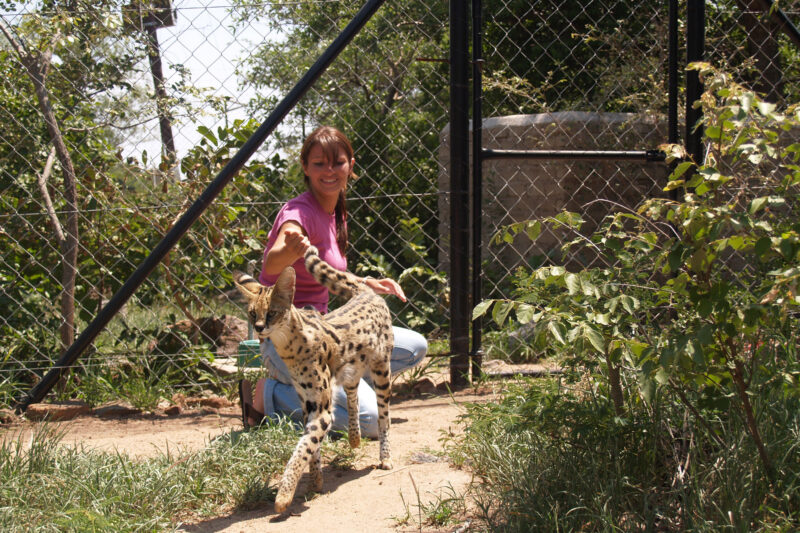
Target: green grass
<point>46,486</point>
<point>550,460</point>
<point>444,509</point>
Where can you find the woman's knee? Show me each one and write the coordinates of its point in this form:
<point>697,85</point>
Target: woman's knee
<point>409,349</point>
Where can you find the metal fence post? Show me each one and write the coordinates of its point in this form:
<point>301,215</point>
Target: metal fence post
<point>695,41</point>
<point>476,354</point>
<point>459,195</point>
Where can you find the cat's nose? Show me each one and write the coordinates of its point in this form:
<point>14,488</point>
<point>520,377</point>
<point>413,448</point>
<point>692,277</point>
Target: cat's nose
<point>258,327</point>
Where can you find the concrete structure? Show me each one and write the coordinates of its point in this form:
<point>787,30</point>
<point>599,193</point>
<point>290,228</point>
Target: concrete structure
<point>518,190</point>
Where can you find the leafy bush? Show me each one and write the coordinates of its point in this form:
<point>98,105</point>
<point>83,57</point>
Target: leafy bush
<point>697,309</point>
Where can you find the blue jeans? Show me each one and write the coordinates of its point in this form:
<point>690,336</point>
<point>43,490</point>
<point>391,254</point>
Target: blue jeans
<point>280,398</point>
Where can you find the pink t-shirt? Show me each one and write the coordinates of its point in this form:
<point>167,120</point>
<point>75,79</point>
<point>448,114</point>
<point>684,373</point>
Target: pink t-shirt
<point>321,230</point>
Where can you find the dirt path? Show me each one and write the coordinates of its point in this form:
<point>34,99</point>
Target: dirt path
<point>362,499</point>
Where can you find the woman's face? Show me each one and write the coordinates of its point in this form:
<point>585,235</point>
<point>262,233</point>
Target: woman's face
<point>327,178</point>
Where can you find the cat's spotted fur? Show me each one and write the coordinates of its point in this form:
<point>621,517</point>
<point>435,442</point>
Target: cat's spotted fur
<point>320,349</point>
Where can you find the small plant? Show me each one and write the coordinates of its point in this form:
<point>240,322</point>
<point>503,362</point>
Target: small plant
<point>444,509</point>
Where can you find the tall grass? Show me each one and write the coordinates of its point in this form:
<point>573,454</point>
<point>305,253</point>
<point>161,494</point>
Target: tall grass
<point>47,486</point>
<point>549,459</point>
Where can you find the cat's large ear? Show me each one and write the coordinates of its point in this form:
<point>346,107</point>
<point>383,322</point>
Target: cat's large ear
<point>284,286</point>
<point>247,285</point>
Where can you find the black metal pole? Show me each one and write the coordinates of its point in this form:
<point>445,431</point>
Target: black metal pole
<point>672,82</point>
<point>198,207</point>
<point>611,155</point>
<point>695,43</point>
<point>672,85</point>
<point>459,195</point>
<point>476,353</point>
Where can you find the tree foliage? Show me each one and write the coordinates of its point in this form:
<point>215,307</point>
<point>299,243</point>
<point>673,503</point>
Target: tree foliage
<point>701,298</point>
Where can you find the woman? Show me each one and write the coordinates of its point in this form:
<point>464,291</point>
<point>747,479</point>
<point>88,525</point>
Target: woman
<point>319,217</point>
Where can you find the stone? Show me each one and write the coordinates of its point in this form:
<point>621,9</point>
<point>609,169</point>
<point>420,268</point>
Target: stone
<point>214,402</point>
<point>116,410</point>
<point>173,410</point>
<point>57,411</point>
<point>425,386</point>
<point>8,417</point>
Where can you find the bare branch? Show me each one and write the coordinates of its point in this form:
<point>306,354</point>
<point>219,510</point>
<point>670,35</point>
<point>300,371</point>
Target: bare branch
<point>41,179</point>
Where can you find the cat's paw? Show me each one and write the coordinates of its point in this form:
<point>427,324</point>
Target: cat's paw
<point>282,502</point>
<point>386,464</point>
<point>355,440</point>
<point>316,480</point>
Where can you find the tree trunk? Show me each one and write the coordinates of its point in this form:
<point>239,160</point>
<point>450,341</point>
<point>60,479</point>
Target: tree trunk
<point>616,387</point>
<point>752,425</point>
<point>69,248</point>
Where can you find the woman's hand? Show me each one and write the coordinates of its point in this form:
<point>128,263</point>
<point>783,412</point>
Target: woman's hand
<point>290,246</point>
<point>295,242</point>
<point>385,286</point>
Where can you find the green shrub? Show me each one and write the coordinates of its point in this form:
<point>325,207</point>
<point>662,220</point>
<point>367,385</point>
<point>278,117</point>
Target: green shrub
<point>694,319</point>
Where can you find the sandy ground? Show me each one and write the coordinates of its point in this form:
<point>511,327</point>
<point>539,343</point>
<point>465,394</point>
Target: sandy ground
<point>362,499</point>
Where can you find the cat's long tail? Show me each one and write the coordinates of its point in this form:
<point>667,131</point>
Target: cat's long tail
<point>341,283</point>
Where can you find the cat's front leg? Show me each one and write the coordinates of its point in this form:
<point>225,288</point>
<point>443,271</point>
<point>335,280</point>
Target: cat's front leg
<point>318,413</point>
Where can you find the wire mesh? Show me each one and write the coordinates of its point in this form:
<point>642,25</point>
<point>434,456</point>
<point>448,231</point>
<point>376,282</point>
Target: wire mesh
<point>557,75</point>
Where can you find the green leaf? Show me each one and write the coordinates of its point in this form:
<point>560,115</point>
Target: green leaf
<point>757,204</point>
<point>595,338</point>
<point>637,347</point>
<point>589,289</point>
<point>572,220</point>
<point>525,313</point>
<point>746,99</point>
<point>573,283</point>
<point>533,229</point>
<point>766,108</point>
<point>704,307</point>
<point>762,246</point>
<point>697,353</point>
<point>629,303</point>
<point>481,308</point>
<point>705,334</point>
<point>501,310</point>
<point>675,258</point>
<point>556,330</point>
<point>208,134</point>
<point>648,388</point>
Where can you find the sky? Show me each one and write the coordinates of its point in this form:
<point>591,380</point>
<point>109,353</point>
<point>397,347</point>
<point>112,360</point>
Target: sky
<point>203,41</point>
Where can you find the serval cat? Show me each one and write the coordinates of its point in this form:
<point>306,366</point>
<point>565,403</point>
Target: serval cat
<point>320,350</point>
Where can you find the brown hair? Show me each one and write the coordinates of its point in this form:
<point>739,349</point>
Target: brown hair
<point>331,141</point>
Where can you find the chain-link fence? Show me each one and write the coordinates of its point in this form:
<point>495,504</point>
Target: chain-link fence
<point>118,116</point>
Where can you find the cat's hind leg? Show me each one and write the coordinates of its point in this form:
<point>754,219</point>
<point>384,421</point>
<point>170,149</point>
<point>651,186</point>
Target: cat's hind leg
<point>353,425</point>
<point>381,378</point>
